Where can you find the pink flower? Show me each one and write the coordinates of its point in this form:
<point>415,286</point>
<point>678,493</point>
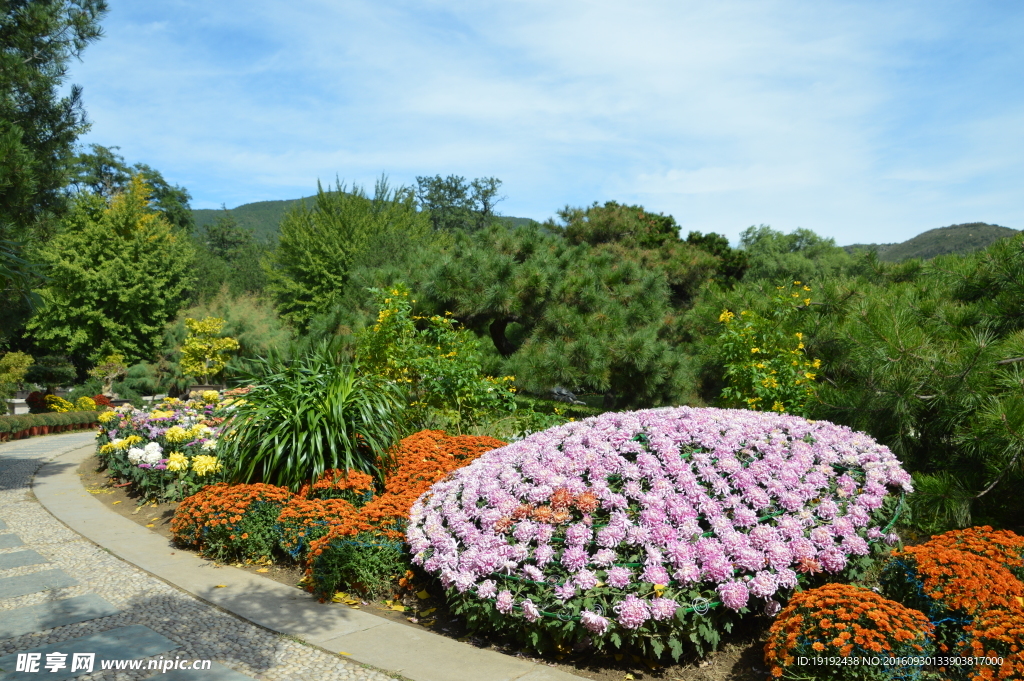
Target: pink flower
<point>593,622</point>
<point>632,612</point>
<point>619,577</point>
<point>530,611</point>
<point>504,602</point>
<point>733,594</point>
<point>663,608</point>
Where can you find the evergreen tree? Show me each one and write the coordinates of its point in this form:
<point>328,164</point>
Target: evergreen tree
<point>454,204</point>
<point>117,273</point>
<point>38,126</point>
<point>319,246</point>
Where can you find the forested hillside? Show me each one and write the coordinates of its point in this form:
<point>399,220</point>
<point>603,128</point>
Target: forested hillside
<point>965,238</point>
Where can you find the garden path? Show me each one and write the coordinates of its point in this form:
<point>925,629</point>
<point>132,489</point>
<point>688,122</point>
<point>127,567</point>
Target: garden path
<point>61,593</point>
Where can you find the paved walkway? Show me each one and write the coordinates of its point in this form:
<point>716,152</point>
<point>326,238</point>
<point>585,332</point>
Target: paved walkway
<point>131,595</point>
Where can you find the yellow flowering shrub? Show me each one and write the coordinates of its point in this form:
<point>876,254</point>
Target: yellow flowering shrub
<point>766,366</point>
<point>85,404</point>
<point>108,416</point>
<point>58,404</point>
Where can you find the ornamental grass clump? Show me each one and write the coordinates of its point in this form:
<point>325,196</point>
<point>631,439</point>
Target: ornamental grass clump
<point>232,522</point>
<point>843,621</point>
<point>653,529</point>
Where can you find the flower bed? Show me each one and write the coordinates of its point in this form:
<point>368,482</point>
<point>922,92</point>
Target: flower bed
<point>839,620</point>
<point>1002,546</point>
<point>168,452</point>
<point>630,528</point>
<point>344,531</point>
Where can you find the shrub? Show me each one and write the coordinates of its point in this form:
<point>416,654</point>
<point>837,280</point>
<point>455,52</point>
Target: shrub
<point>766,365</point>
<point>204,353</point>
<point>85,404</point>
<point>374,535</point>
<point>13,366</point>
<point>304,417</point>
<point>943,582</point>
<point>36,401</point>
<point>951,587</point>
<point>1002,546</point>
<point>996,634</point>
<point>302,521</point>
<point>438,365</point>
<point>231,522</point>
<point>840,620</point>
<point>58,404</point>
<point>623,529</point>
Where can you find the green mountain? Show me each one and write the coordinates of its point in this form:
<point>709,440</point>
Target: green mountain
<point>264,217</point>
<point>965,238</point>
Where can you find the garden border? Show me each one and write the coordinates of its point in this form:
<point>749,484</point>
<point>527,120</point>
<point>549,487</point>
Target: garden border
<point>419,655</point>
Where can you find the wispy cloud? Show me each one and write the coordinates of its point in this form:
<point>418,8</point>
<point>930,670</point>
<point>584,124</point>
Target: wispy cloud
<point>865,121</point>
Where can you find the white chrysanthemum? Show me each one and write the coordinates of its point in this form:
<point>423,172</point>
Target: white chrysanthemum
<point>136,454</point>
<point>210,445</point>
<point>153,452</point>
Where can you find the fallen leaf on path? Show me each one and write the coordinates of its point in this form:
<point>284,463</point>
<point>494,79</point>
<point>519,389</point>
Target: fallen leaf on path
<point>263,570</point>
<point>115,503</point>
<point>219,586</point>
<point>423,595</point>
<point>151,525</point>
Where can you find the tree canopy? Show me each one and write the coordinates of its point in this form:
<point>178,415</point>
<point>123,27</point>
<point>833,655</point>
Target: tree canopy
<point>39,126</point>
<point>118,274</point>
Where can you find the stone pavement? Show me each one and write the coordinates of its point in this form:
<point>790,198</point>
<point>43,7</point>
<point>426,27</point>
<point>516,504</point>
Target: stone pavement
<point>61,593</point>
<point>59,590</point>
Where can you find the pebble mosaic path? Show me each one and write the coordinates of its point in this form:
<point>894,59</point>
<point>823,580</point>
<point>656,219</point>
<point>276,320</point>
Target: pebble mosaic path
<point>60,593</point>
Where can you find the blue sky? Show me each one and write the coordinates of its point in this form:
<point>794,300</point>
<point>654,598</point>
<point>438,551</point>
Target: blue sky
<point>863,121</point>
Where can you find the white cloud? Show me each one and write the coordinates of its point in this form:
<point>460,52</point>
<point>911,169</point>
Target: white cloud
<point>862,121</point>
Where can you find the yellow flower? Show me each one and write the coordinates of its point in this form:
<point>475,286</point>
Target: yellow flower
<point>177,462</point>
<point>775,407</point>
<point>817,363</point>
<point>128,442</point>
<point>107,416</point>
<point>753,350</point>
<point>807,301</point>
<point>210,396</point>
<point>107,448</point>
<point>809,375</point>
<point>800,346</point>
<point>176,434</point>
<point>726,316</point>
<point>800,336</point>
<point>807,288</point>
<point>796,283</point>
<point>203,465</point>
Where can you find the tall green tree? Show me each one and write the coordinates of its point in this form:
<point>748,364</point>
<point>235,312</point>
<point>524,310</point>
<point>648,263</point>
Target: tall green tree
<point>39,124</point>
<point>455,204</point>
<point>318,246</point>
<point>118,274</point>
<point>800,255</point>
<point>103,171</point>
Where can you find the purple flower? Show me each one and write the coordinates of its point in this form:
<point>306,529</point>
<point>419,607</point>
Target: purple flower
<point>574,558</point>
<point>655,574</point>
<point>632,612</point>
<point>565,591</point>
<point>763,584</point>
<point>585,579</point>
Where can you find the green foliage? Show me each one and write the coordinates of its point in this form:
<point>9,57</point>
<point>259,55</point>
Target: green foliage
<point>318,246</point>
<point>438,365</point>
<point>13,367</point>
<point>307,415</point>
<point>117,275</point>
<point>204,353</point>
<point>617,223</point>
<point>800,255</point>
<point>228,254</point>
<point>39,125</point>
<point>108,370</point>
<point>453,204</point>
<point>766,364</point>
<point>51,371</point>
<point>103,172</point>
<point>733,261</point>
<point>592,319</point>
<point>361,563</point>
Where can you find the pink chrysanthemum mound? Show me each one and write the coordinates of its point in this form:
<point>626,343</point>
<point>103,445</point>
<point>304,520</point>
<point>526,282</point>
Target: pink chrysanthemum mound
<point>629,522</point>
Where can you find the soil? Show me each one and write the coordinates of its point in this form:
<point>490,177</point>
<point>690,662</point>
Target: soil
<point>739,660</point>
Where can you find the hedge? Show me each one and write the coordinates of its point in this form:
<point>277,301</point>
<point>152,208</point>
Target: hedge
<point>68,420</point>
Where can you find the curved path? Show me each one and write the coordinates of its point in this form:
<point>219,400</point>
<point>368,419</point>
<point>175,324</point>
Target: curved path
<point>85,579</point>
